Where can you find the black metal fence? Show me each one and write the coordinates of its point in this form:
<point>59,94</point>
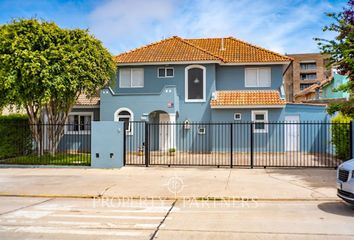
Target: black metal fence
<point>243,144</point>
<point>45,144</point>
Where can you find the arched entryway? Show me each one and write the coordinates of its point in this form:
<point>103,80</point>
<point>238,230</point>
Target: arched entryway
<point>162,130</point>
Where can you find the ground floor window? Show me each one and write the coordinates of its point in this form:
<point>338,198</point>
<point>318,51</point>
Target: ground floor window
<point>79,123</point>
<point>125,115</point>
<point>260,118</point>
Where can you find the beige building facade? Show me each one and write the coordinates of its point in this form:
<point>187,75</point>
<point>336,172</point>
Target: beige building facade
<point>306,69</point>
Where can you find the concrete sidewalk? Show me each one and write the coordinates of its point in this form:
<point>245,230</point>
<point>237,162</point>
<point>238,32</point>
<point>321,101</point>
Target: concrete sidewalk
<point>156,182</point>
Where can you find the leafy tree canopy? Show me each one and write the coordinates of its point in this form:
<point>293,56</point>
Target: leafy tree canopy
<point>42,64</point>
<point>44,68</point>
<point>341,51</point>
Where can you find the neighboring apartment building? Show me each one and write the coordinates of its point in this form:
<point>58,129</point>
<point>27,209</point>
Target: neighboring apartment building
<point>306,69</point>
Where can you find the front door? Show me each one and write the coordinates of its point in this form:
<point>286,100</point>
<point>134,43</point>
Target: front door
<point>292,133</point>
<point>164,131</point>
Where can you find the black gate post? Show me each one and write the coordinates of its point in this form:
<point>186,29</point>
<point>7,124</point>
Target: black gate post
<point>147,138</point>
<point>251,137</point>
<point>124,143</point>
<point>231,145</point>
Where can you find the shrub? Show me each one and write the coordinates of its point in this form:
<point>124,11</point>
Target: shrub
<point>15,136</point>
<point>341,136</point>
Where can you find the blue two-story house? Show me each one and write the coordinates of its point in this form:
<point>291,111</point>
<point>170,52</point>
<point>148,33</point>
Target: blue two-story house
<point>201,80</point>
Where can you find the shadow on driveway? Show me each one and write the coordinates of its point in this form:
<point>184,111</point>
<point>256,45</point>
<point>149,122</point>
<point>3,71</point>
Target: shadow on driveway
<point>314,178</point>
<point>338,208</point>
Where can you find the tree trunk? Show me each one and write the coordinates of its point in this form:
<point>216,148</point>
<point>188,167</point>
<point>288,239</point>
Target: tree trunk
<point>35,127</point>
<point>56,126</point>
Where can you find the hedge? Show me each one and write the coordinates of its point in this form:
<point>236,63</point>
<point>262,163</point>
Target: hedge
<point>341,136</point>
<point>15,136</point>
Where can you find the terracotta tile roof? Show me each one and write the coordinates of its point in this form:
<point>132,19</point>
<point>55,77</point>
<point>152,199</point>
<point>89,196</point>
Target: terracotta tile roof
<point>245,98</point>
<point>84,100</point>
<point>237,51</point>
<point>173,49</point>
<point>176,49</point>
<point>314,87</point>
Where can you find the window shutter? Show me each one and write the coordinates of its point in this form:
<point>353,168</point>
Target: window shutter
<point>251,77</point>
<point>124,78</point>
<point>137,77</point>
<point>264,77</point>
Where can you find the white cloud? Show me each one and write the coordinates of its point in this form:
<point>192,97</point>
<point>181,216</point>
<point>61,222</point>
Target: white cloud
<point>283,26</point>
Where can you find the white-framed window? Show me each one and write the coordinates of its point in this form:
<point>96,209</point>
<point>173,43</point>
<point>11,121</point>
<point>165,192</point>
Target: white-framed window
<point>237,116</point>
<point>131,77</point>
<point>260,120</point>
<point>79,123</point>
<point>165,72</point>
<point>258,77</point>
<point>195,83</point>
<point>125,115</point>
<point>201,130</point>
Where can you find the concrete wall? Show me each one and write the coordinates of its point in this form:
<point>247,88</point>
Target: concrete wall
<point>105,155</point>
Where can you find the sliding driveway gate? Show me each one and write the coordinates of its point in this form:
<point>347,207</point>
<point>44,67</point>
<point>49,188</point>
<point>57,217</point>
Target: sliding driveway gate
<point>239,144</point>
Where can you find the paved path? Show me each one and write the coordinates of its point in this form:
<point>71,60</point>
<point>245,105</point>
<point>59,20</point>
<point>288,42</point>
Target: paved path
<point>48,218</point>
<point>261,184</point>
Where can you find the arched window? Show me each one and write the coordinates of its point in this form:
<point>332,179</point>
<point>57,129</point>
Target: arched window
<point>195,81</point>
<point>125,115</point>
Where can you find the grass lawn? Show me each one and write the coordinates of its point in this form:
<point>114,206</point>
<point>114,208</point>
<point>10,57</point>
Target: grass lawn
<point>67,159</point>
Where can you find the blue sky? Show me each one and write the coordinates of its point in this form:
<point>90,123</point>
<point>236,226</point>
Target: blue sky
<point>285,26</point>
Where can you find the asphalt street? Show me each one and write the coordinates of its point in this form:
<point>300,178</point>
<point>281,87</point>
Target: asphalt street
<point>113,218</point>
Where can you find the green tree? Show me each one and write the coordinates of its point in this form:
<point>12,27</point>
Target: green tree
<point>341,51</point>
<point>44,68</point>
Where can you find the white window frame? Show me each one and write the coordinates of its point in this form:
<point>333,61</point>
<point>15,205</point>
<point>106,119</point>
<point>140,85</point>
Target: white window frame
<point>83,132</point>
<point>265,113</point>
<point>258,80</point>
<point>129,131</point>
<point>131,78</point>
<point>237,119</point>
<point>201,130</point>
<point>186,99</point>
<point>165,68</point>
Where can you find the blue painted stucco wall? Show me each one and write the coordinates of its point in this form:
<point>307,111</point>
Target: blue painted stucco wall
<point>157,93</point>
<point>328,90</point>
<point>233,77</point>
<point>105,155</point>
<point>153,96</point>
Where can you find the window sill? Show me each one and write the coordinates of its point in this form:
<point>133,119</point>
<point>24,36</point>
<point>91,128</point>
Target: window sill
<point>194,101</point>
<point>77,132</point>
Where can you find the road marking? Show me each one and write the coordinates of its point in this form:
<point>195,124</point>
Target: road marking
<point>106,216</point>
<point>146,225</point>
<point>28,214</point>
<point>52,230</point>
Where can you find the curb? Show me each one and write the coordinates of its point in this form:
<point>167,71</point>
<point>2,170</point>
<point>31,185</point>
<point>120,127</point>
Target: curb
<point>185,198</point>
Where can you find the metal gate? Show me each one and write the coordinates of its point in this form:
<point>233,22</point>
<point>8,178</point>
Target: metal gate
<point>237,144</point>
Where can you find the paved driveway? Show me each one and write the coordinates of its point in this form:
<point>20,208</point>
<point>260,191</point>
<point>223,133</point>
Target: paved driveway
<point>48,218</point>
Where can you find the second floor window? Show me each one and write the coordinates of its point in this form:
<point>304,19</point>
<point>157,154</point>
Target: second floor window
<point>165,72</point>
<point>257,77</point>
<point>195,83</point>
<point>131,78</point>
